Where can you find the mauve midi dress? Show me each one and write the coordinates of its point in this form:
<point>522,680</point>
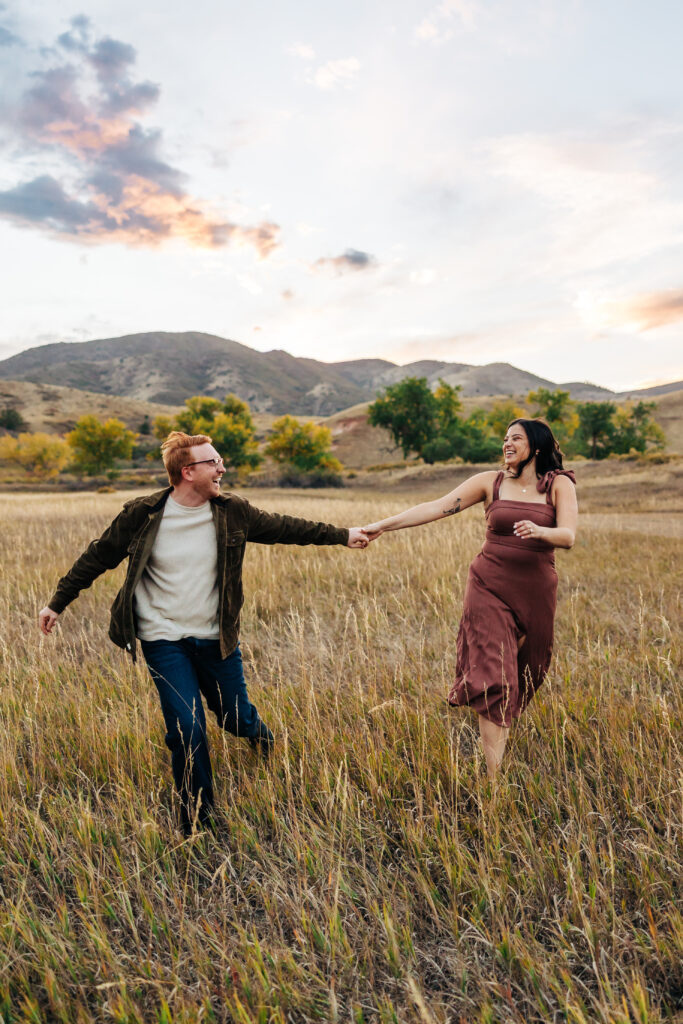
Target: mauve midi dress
<point>511,592</point>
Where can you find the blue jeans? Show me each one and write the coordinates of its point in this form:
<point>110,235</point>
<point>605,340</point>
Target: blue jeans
<point>183,671</point>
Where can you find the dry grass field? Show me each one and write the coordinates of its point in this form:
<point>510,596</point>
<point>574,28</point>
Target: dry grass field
<point>368,873</point>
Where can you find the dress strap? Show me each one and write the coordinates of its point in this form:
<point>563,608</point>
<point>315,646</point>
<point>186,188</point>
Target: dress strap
<point>496,485</point>
<point>546,482</point>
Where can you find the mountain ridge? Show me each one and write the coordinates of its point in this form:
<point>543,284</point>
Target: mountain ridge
<point>168,367</point>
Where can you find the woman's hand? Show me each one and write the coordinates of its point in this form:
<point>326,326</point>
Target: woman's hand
<point>525,528</point>
<point>373,530</point>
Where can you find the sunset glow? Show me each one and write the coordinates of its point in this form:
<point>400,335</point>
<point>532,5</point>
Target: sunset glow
<point>467,181</point>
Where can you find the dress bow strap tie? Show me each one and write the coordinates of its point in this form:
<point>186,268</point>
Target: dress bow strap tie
<point>546,481</point>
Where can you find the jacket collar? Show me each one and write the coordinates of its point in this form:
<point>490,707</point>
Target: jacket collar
<point>158,498</point>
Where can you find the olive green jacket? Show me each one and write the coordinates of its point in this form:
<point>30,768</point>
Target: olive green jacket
<point>133,532</point>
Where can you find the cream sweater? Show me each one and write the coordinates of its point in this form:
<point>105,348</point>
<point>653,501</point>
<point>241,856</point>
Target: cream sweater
<point>177,595</point>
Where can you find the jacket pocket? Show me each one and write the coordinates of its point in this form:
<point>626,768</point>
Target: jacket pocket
<point>234,546</point>
<point>117,620</point>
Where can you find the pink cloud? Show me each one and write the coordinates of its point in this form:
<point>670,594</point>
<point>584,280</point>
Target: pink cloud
<point>647,311</point>
<point>115,185</point>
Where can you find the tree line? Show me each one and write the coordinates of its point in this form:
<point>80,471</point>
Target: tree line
<point>425,423</point>
<point>94,447</point>
<point>432,425</point>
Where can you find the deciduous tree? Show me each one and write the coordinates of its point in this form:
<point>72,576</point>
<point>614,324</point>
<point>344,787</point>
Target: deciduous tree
<point>228,423</point>
<point>96,446</point>
<point>554,406</point>
<point>500,415</point>
<point>559,411</point>
<point>596,427</point>
<point>408,410</point>
<point>305,446</point>
<point>635,428</point>
<point>42,456</point>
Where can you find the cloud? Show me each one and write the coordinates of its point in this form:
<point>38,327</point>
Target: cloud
<point>600,199</point>
<point>335,72</point>
<point>7,38</point>
<point>301,50</point>
<point>78,36</point>
<point>424,276</point>
<point>249,284</point>
<point>641,313</point>
<point>43,200</point>
<point>438,26</point>
<point>351,260</point>
<point>142,214</point>
<point>108,179</point>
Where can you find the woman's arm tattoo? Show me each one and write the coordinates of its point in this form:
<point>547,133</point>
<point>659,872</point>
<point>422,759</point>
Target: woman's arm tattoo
<point>454,509</point>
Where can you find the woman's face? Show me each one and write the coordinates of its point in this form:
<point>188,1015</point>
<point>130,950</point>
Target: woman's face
<point>515,446</point>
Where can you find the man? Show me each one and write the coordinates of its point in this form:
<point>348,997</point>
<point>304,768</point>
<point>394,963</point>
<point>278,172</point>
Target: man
<point>182,597</point>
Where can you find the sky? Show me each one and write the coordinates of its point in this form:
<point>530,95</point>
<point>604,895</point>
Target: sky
<point>472,181</point>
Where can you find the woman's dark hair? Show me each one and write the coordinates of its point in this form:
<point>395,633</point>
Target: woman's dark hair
<point>542,444</point>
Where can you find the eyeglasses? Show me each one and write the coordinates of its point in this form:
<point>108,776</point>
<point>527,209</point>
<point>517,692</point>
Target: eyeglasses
<point>207,462</point>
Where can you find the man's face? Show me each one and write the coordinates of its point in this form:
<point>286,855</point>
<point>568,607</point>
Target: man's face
<point>204,475</point>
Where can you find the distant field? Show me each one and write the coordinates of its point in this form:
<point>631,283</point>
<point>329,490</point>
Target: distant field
<point>368,874</point>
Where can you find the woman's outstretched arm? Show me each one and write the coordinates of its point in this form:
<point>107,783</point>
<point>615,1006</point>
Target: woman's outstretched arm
<point>476,489</point>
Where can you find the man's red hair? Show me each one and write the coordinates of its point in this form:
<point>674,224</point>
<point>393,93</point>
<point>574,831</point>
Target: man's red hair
<point>176,451</point>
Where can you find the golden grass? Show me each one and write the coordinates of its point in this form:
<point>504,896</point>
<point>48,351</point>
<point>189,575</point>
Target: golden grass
<point>367,874</point>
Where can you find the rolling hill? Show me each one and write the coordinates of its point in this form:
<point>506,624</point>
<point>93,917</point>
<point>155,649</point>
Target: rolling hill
<point>54,410</point>
<point>169,367</point>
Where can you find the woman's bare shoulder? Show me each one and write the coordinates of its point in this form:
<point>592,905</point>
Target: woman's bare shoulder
<point>481,485</point>
<point>485,477</point>
<point>563,487</point>
<point>563,484</point>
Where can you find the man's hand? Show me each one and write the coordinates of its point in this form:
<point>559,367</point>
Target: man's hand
<point>47,619</point>
<point>357,538</point>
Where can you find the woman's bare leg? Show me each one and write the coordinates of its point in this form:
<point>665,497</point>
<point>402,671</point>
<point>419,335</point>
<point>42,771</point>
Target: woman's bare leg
<point>493,739</point>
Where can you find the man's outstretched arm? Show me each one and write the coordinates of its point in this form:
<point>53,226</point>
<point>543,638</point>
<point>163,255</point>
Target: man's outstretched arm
<point>104,553</point>
<point>274,528</point>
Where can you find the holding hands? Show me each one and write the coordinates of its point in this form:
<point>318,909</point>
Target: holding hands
<point>373,530</point>
<point>358,537</point>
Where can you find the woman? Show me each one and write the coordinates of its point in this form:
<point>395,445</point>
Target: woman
<point>505,638</point>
